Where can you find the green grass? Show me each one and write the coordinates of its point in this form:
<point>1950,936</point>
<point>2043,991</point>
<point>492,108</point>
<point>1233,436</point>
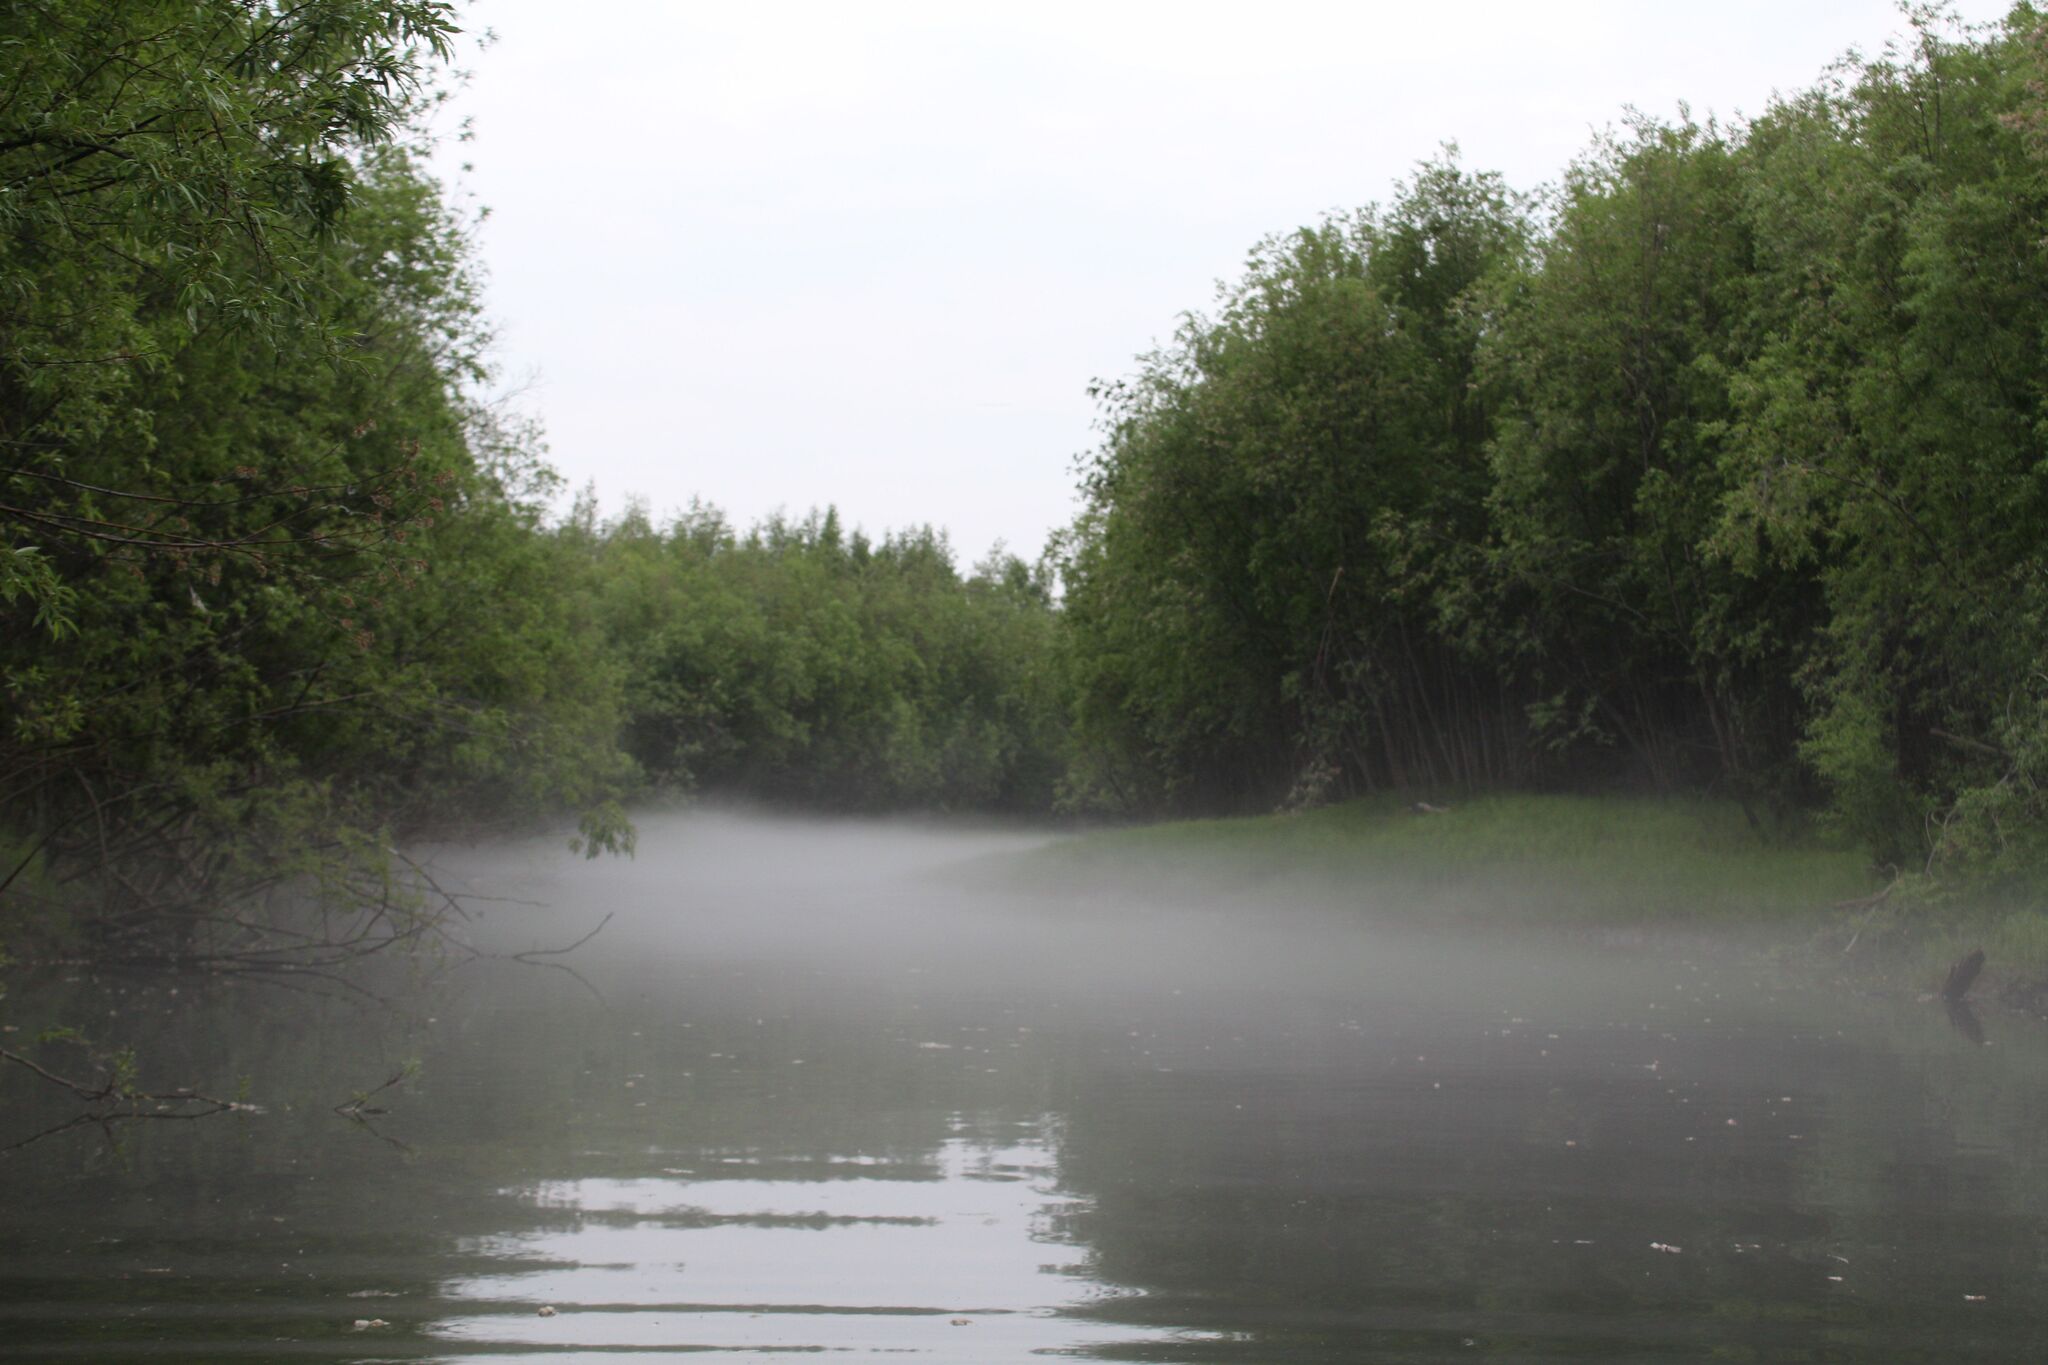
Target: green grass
<point>1544,859</point>
<point>2020,936</point>
<point>1924,937</point>
<point>1608,863</point>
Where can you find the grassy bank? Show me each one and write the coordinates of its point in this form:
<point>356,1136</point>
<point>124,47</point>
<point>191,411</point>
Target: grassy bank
<point>1540,858</point>
<point>1601,863</point>
<point>1596,862</point>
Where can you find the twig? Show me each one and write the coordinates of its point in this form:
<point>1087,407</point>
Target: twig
<point>107,1120</point>
<point>83,1092</point>
<point>1965,742</point>
<point>380,1135</point>
<point>1867,903</point>
<point>208,1104</point>
<point>533,953</point>
<point>113,1090</point>
<point>452,902</point>
<point>360,1105</point>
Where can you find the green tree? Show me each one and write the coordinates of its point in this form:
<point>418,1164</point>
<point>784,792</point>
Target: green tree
<point>277,595</point>
<point>1256,584</point>
<point>1632,637</point>
<point>800,663</point>
<point>1889,433</point>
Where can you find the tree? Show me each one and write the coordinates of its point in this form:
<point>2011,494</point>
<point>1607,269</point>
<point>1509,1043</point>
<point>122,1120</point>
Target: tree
<point>1889,435</point>
<point>252,511</point>
<point>1255,586</point>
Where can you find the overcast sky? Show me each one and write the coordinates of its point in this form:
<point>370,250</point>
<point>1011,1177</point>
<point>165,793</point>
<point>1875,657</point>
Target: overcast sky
<point>866,254</point>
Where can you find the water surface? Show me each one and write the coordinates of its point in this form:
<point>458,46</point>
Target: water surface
<point>807,1092</point>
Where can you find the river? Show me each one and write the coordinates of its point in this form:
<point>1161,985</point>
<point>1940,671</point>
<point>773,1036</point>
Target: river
<point>813,1088</point>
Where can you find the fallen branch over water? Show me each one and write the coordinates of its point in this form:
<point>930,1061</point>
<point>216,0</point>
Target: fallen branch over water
<point>359,1104</point>
<point>135,1104</point>
<point>532,953</point>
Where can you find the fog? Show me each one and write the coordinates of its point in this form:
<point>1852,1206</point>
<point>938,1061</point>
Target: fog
<point>872,899</point>
<point>918,1087</point>
<point>859,906</point>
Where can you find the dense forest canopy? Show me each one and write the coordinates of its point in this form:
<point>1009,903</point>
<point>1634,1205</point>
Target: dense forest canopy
<point>1718,465</point>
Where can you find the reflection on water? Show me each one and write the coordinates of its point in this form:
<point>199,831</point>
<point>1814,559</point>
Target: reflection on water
<point>850,1253</point>
<point>799,1096</point>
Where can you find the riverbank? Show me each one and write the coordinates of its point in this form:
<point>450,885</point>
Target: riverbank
<point>1618,868</point>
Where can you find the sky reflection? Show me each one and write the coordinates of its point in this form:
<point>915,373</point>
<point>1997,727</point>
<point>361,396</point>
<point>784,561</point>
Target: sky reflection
<point>847,1252</point>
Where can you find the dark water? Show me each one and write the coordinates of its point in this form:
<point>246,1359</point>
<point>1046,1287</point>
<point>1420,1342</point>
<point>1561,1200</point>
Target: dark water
<point>803,1098</point>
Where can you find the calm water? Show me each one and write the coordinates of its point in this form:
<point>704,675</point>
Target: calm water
<point>804,1096</point>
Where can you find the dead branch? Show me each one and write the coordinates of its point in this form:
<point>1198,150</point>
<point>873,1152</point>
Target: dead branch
<point>112,1089</point>
<point>360,1105</point>
<point>533,953</point>
<point>161,1104</point>
<point>1966,742</point>
<point>1868,904</point>
<point>83,1092</point>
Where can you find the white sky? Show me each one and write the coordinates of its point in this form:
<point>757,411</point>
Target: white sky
<point>871,254</point>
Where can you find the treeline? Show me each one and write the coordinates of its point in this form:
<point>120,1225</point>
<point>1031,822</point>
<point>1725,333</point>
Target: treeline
<point>278,594</point>
<point>1719,466</point>
<point>799,663</point>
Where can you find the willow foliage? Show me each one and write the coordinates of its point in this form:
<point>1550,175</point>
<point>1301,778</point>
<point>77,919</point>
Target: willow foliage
<point>267,584</point>
<point>1720,465</point>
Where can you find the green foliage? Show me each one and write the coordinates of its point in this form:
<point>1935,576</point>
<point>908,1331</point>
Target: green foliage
<point>1612,373</point>
<point>1285,499</point>
<point>1721,468</point>
<point>1717,468</point>
<point>604,829</point>
<point>799,663</point>
<point>1887,435</point>
<point>1537,860</point>
<point>272,592</point>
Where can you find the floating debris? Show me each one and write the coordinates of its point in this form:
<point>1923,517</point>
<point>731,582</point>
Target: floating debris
<point>546,1311</point>
<point>1667,1248</point>
<point>369,1324</point>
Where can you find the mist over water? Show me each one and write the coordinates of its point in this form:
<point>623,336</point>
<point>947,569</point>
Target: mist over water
<point>837,1085</point>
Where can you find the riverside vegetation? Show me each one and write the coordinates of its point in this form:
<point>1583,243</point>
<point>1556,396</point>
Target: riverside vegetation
<point>1717,469</point>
